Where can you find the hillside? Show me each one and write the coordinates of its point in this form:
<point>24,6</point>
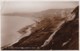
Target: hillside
<point>52,32</point>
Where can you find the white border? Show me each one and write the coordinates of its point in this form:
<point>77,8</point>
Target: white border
<point>38,0</point>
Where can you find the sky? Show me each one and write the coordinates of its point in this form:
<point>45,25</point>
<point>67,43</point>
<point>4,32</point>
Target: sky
<point>35,6</point>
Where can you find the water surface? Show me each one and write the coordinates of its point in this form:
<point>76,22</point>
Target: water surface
<point>10,25</point>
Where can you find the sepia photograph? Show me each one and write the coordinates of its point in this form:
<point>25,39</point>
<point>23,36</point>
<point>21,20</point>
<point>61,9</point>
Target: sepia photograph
<point>40,25</point>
